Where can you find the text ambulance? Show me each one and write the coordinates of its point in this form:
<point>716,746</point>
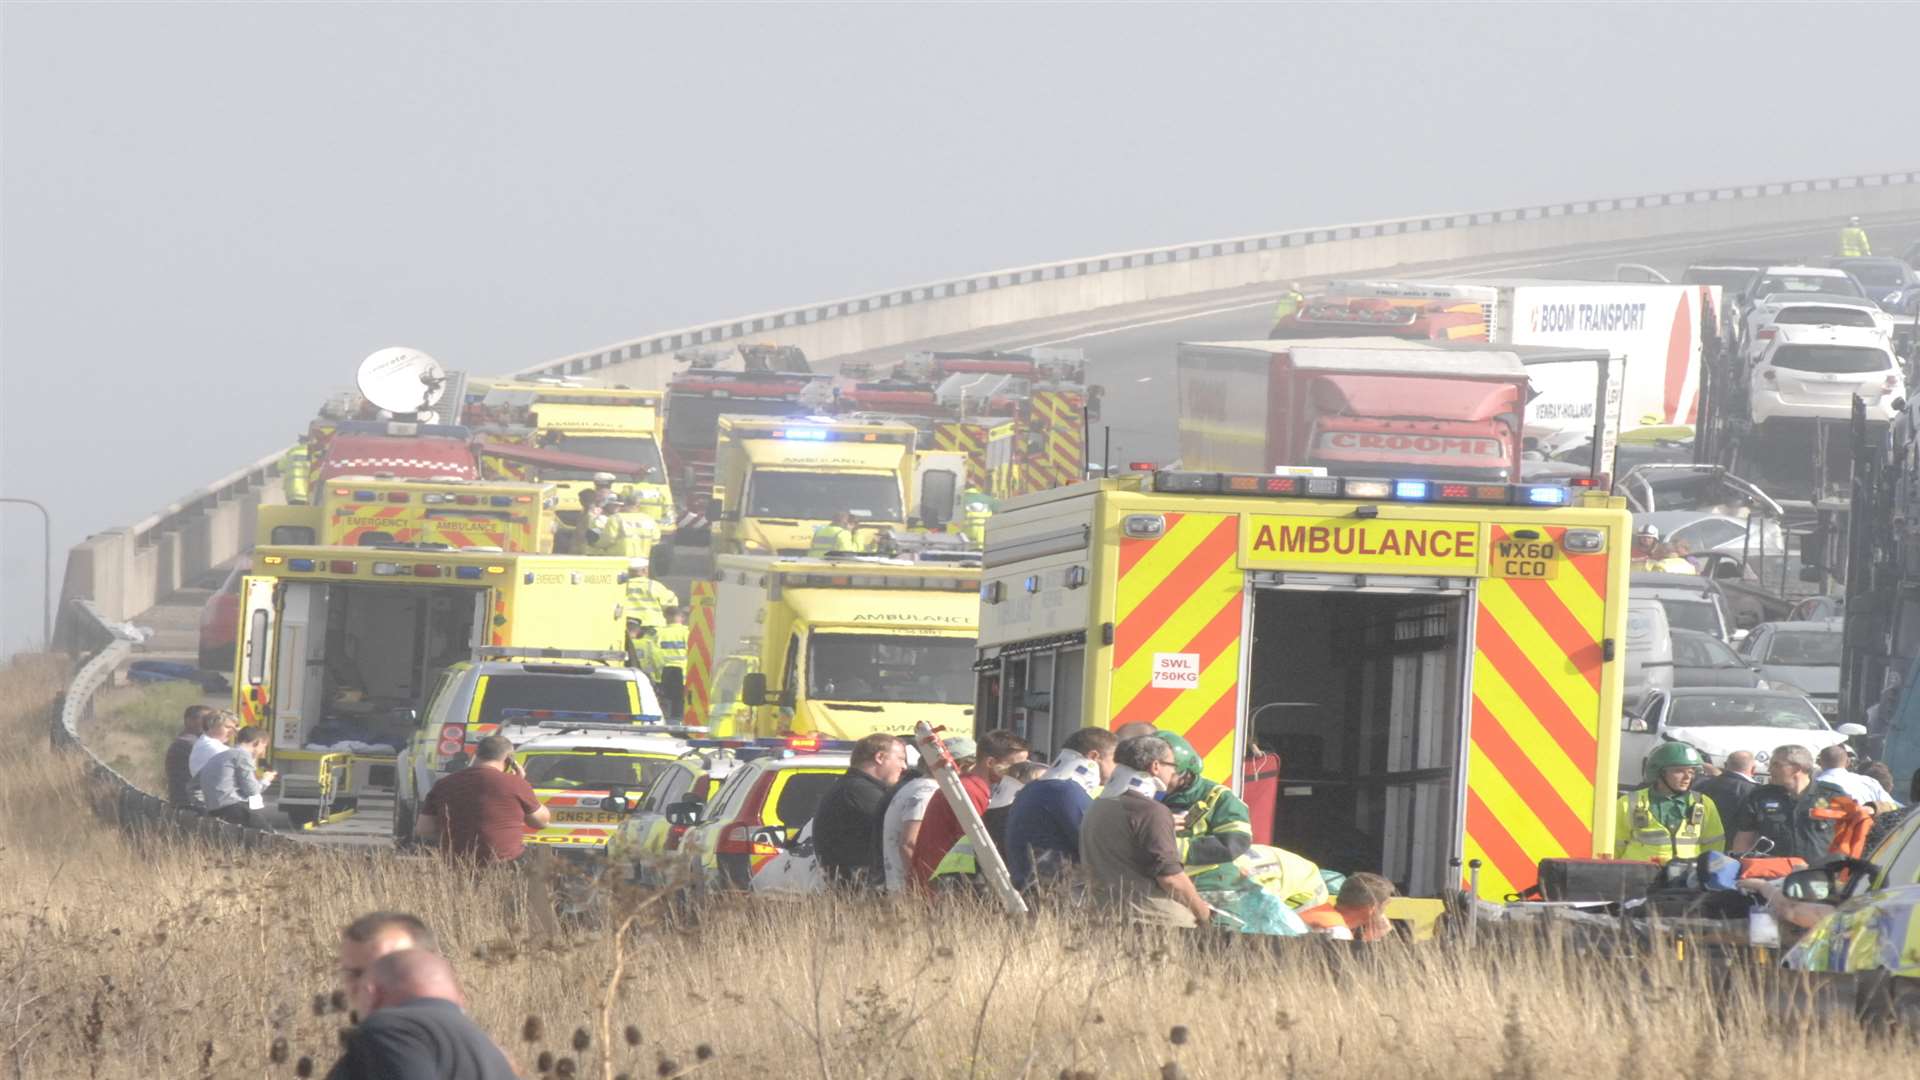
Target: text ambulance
<point>1434,663</point>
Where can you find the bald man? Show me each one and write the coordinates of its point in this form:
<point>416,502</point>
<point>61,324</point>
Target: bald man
<point>1134,730</point>
<point>370,937</point>
<point>415,1027</point>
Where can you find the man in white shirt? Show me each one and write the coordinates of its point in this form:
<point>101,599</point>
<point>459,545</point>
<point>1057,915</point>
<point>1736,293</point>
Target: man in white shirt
<point>1858,786</point>
<point>900,823</point>
<point>212,742</point>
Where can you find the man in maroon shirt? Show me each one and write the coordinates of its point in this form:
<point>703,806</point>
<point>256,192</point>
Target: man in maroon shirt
<point>997,752</point>
<point>483,813</point>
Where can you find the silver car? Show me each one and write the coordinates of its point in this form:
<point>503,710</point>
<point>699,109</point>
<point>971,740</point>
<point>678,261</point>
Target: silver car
<point>1803,656</point>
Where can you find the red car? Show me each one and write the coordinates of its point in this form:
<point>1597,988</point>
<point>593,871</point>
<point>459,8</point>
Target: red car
<point>220,621</point>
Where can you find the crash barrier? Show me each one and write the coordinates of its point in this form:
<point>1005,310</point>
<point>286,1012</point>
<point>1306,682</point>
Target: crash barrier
<point>114,797</point>
<point>1075,286</point>
<point>128,570</point>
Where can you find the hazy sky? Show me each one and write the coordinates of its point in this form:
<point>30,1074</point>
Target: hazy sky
<point>211,213</point>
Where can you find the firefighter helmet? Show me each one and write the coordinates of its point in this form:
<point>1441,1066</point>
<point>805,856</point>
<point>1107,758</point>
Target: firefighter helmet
<point>1671,755</point>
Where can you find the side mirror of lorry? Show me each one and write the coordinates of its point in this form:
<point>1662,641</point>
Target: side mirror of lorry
<point>753,689</point>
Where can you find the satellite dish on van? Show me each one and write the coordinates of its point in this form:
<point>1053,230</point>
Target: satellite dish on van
<point>401,380</point>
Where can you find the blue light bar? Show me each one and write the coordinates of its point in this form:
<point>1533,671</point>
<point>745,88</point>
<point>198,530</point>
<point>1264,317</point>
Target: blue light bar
<point>1411,490</point>
<point>304,565</point>
<point>814,434</point>
<point>502,500</point>
<point>467,573</point>
<point>364,495</point>
<point>1541,495</point>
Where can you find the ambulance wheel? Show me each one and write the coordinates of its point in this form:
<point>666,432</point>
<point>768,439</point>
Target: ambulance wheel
<point>301,816</point>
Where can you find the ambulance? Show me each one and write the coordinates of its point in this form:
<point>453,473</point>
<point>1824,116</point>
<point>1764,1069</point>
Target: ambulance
<point>339,648</point>
<point>1438,666</point>
<point>776,480</point>
<point>846,646</point>
<point>366,511</point>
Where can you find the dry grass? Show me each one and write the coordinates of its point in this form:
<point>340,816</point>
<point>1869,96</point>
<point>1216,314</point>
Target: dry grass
<point>121,958</point>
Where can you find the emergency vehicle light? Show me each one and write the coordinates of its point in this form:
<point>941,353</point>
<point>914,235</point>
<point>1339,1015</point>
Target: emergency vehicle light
<point>503,500</point>
<point>1410,490</point>
<point>272,560</point>
<point>396,496</point>
<point>812,434</point>
<point>302,565</point>
<point>466,573</point>
<point>1335,487</point>
<point>1540,495</point>
<point>1367,489</point>
<point>342,566</point>
<point>388,569</point>
<point>425,570</point>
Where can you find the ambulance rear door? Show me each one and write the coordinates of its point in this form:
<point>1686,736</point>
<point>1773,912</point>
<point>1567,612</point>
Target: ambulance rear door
<point>253,691</point>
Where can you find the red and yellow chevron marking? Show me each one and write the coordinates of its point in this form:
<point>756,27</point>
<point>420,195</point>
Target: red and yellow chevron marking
<point>1181,594</point>
<point>1534,730</point>
<point>1063,459</point>
<point>963,438</point>
<point>700,614</point>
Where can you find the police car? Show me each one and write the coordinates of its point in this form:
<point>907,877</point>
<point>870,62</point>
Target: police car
<point>592,773</point>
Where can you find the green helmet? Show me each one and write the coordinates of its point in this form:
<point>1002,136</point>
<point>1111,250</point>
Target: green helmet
<point>1671,755</point>
<point>1184,759</point>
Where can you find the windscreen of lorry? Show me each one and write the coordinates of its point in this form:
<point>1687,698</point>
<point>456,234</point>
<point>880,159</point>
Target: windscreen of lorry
<point>572,693</point>
<point>638,452</point>
<point>890,667</point>
<point>1831,359</point>
<point>779,494</point>
<point>693,421</point>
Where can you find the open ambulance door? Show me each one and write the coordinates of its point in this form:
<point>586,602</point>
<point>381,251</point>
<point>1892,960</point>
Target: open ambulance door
<point>253,692</point>
<point>938,479</point>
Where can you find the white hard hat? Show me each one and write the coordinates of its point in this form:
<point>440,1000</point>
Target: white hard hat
<point>603,479</point>
<point>638,562</point>
<point>1650,531</point>
<point>1854,220</point>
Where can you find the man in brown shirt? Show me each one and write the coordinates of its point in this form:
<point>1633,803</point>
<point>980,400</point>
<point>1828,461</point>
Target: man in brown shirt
<point>1126,841</point>
<point>482,813</point>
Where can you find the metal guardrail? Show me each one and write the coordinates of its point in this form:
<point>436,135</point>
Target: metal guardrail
<point>116,798</point>
<point>810,314</point>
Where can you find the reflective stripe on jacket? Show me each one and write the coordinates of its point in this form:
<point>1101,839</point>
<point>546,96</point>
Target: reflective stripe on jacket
<point>1638,834</point>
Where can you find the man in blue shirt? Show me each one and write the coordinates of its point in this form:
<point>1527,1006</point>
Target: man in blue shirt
<point>1043,828</point>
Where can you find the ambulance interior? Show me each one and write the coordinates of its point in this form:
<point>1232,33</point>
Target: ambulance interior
<point>358,660</point>
<point>1361,694</point>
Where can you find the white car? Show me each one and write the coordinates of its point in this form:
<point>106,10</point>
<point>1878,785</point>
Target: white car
<point>1782,309</point>
<point>1815,372</point>
<point>1717,720</point>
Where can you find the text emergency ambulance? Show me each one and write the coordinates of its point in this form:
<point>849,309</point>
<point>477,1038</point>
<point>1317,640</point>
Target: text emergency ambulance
<point>848,646</point>
<point>364,511</point>
<point>1435,664</point>
<point>339,648</point>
